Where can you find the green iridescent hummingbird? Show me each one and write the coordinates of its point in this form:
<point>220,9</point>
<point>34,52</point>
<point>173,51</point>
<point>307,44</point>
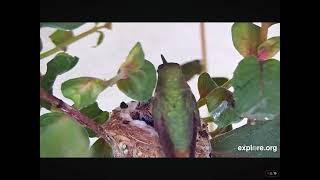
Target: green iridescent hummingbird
<point>175,112</point>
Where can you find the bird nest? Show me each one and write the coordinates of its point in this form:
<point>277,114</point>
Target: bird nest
<point>130,133</point>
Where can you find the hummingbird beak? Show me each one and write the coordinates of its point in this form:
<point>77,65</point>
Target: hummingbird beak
<point>164,61</point>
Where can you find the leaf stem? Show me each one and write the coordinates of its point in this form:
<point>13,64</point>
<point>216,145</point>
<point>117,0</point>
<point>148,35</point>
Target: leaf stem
<point>227,84</point>
<point>113,80</point>
<point>72,112</point>
<point>203,48</point>
<point>70,41</point>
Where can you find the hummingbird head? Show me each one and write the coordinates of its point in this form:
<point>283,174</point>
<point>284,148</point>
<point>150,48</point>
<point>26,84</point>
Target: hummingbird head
<point>169,74</point>
<point>169,69</point>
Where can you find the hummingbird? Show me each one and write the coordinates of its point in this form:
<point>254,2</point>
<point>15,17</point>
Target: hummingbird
<point>175,112</point>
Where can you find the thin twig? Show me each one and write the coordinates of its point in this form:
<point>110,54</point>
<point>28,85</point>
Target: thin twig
<point>203,48</point>
<point>70,41</point>
<point>71,111</point>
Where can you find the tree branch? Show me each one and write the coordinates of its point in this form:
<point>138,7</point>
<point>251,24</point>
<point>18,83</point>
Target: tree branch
<point>72,112</point>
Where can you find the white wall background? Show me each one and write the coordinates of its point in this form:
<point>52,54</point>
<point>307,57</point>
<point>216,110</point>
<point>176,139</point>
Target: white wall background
<point>178,42</point>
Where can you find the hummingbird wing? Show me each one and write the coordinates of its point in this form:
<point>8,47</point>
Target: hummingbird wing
<point>164,138</point>
<point>195,123</point>
<point>161,128</point>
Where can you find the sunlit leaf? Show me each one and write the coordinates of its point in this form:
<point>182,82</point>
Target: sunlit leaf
<point>269,48</point>
<point>83,91</point>
<point>138,75</point>
<point>135,59</point>
<point>245,38</point>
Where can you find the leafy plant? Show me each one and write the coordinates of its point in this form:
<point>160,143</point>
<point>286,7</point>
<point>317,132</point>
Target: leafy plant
<point>65,131</point>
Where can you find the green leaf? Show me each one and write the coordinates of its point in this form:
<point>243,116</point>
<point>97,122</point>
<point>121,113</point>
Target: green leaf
<point>269,48</point>
<point>135,59</point>
<point>50,118</point>
<point>60,36</point>
<point>91,133</point>
<point>205,85</point>
<point>257,88</point>
<point>138,76</point>
<point>262,133</point>
<point>100,38</point>
<point>201,102</point>
<point>62,26</point>
<point>220,80</point>
<point>101,149</point>
<point>220,106</point>
<point>217,96</point>
<point>245,38</point>
<point>191,68</point>
<point>60,64</point>
<point>63,138</point>
<point>96,114</point>
<point>140,84</point>
<point>45,104</point>
<point>83,91</point>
